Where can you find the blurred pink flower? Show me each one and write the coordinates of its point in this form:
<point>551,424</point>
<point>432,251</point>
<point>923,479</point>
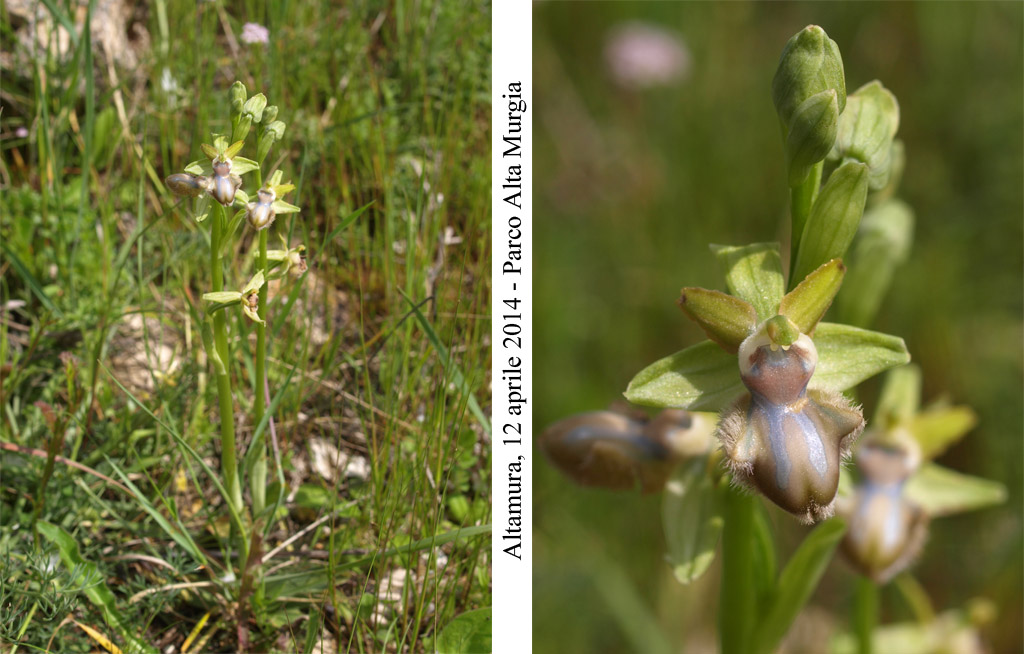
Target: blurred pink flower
<point>643,55</point>
<point>21,132</point>
<point>255,33</point>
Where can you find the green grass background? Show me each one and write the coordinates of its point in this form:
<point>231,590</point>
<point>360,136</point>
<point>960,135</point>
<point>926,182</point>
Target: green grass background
<point>632,186</point>
<point>386,103</point>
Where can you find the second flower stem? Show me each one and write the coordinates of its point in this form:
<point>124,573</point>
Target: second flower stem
<point>737,601</point>
<point>259,470</point>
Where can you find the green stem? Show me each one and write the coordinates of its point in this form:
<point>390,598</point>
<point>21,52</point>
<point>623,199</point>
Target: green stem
<point>916,597</point>
<point>229,459</point>
<point>258,484</point>
<point>865,613</point>
<point>801,200</point>
<point>737,601</point>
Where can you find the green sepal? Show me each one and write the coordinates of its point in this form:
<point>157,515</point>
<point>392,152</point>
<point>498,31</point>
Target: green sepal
<point>280,207</point>
<point>692,520</point>
<point>269,114</point>
<point>703,376</point>
<point>810,63</point>
<point>897,162</point>
<point>796,583</point>
<point>867,129</point>
<point>753,273</point>
<point>727,320</point>
<point>941,491</point>
<point>938,428</point>
<point>849,355</point>
<point>806,304</point>
<point>812,134</point>
<point>241,165</point>
<point>882,244</point>
<point>220,299</point>
<point>833,220</point>
<point>900,396</point>
<point>255,284</point>
<point>201,167</point>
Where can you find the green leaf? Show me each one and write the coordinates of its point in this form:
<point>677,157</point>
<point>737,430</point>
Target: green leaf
<point>702,376</point>
<point>753,273</point>
<point>833,220</point>
<point>900,396</point>
<point>882,244</point>
<point>941,491</point>
<point>727,320</point>
<point>849,355</point>
<point>806,304</point>
<point>468,633</point>
<point>97,591</point>
<point>241,166</point>
<point>692,520</point>
<point>796,583</point>
<point>936,429</point>
<point>763,554</point>
<point>812,134</point>
<point>867,129</point>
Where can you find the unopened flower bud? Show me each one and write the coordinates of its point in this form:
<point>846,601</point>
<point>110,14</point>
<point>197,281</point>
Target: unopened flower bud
<point>885,530</point>
<point>783,440</point>
<point>224,183</point>
<point>188,184</point>
<point>261,213</point>
<point>614,451</point>
<point>238,95</point>
<point>269,114</point>
<point>254,107</point>
<point>812,134</point>
<point>810,63</point>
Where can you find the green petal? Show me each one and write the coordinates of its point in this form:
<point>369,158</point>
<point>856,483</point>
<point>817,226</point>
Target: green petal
<point>807,303</point>
<point>936,429</point>
<point>940,491</point>
<point>209,150</point>
<point>753,273</point>
<point>702,376</point>
<point>849,355</point>
<point>833,220</point>
<point>726,320</point>
<point>692,520</point>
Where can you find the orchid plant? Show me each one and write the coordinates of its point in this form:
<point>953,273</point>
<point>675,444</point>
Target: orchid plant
<point>783,380</point>
<point>216,184</point>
